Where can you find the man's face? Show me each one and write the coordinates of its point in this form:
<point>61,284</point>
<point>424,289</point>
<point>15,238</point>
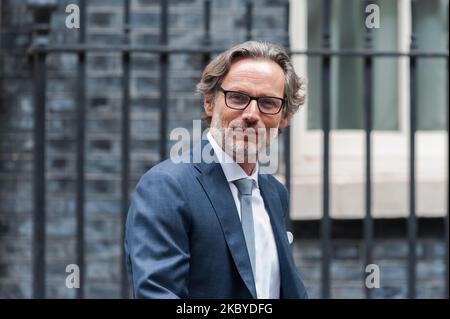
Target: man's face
<point>255,77</point>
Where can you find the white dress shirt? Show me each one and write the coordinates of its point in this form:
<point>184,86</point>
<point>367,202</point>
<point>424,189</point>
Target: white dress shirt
<point>267,277</point>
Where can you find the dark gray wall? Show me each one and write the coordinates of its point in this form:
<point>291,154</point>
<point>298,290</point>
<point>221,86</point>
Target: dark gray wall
<point>103,128</point>
<point>103,225</point>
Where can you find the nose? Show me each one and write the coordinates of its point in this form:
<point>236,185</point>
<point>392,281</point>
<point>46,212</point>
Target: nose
<point>251,113</point>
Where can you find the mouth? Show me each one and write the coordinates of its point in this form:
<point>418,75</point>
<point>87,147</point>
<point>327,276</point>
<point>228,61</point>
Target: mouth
<point>245,135</point>
<point>245,130</point>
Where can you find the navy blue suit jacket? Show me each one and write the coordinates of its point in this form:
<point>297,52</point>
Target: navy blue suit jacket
<point>184,238</point>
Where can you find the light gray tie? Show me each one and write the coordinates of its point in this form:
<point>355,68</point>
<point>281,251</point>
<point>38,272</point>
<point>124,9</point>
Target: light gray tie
<point>244,186</point>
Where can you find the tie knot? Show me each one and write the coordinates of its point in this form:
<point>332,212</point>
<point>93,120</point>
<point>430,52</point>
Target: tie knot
<point>244,186</point>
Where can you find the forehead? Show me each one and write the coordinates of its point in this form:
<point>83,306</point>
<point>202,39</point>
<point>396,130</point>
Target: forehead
<point>255,76</point>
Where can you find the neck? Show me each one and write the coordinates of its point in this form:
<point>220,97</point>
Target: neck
<point>247,167</point>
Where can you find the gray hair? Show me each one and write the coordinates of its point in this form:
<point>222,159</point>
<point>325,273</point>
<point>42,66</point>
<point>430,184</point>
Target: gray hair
<point>216,70</point>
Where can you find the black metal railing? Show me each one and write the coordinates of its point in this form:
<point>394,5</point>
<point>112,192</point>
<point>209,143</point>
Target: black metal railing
<point>368,100</point>
<point>41,48</point>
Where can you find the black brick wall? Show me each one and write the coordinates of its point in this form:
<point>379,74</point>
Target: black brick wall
<point>103,127</point>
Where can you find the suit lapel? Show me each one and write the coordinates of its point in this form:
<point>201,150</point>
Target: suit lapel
<point>218,191</point>
<point>273,205</point>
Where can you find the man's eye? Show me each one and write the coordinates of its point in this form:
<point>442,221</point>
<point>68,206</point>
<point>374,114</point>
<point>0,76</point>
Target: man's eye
<point>268,103</point>
<point>238,97</point>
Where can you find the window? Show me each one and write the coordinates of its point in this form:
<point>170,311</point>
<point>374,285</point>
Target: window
<point>347,107</point>
<point>391,103</point>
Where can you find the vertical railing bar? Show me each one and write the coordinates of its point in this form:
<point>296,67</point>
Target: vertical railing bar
<point>1,50</point>
<point>326,113</point>
<point>41,19</point>
<point>446,230</point>
<point>368,100</point>
<point>39,187</point>
<point>412,219</point>
<point>125,140</point>
<point>287,130</point>
<point>207,22</point>
<point>206,56</point>
<point>248,20</point>
<point>163,64</point>
<point>206,29</point>
<point>80,145</point>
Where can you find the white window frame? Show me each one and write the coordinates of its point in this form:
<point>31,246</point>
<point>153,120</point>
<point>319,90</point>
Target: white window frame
<point>390,151</point>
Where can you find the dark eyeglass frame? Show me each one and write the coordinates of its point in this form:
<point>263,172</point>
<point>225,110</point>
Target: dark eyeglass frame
<point>256,98</point>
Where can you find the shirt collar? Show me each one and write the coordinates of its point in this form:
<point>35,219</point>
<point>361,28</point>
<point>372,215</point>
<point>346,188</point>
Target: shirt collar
<point>230,168</point>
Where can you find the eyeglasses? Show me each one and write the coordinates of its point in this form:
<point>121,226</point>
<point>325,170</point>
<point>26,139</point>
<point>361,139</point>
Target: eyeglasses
<point>239,101</point>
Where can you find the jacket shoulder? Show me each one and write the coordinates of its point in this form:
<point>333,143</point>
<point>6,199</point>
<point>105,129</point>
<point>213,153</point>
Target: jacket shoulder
<point>169,169</point>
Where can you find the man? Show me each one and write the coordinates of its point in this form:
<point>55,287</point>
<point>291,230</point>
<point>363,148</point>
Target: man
<point>216,230</point>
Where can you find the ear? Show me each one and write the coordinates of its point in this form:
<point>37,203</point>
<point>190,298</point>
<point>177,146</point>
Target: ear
<point>284,120</point>
<point>208,105</point>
